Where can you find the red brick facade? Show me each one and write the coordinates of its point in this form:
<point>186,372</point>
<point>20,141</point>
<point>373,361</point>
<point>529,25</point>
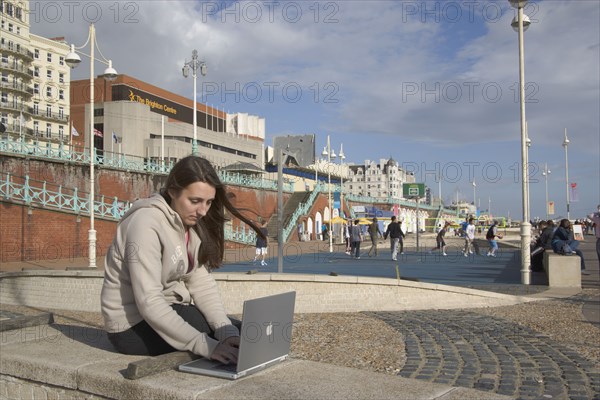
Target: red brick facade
<point>32,233</point>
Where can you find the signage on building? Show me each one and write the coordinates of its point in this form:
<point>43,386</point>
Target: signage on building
<point>413,190</point>
<point>160,105</point>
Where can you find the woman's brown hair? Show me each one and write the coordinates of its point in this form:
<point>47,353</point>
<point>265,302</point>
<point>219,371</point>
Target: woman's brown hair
<point>210,228</point>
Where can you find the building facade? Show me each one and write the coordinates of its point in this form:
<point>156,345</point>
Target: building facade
<point>137,120</point>
<point>379,180</point>
<point>34,87</point>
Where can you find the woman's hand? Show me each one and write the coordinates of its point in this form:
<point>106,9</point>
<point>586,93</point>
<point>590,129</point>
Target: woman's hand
<point>227,350</point>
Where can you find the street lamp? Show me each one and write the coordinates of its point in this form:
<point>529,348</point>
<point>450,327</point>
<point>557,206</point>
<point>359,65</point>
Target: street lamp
<point>520,23</point>
<point>474,196</point>
<point>73,60</point>
<point>546,172</point>
<point>342,157</point>
<point>329,153</point>
<point>566,145</point>
<point>194,65</point>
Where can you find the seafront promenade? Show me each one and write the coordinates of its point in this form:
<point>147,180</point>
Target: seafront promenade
<point>546,345</point>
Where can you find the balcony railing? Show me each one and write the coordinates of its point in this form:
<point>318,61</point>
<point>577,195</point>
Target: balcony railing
<point>17,86</point>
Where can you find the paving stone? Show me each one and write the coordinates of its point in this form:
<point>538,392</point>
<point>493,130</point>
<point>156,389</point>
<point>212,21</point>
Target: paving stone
<point>490,354</point>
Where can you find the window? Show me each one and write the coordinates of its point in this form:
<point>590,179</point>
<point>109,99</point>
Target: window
<point>5,58</point>
<point>9,9</point>
<point>19,13</point>
<point>36,88</point>
<point>61,94</point>
<point>61,77</point>
<point>5,77</point>
<point>36,127</point>
<point>36,53</point>
<point>61,60</point>
<point>61,112</point>
<point>36,108</point>
<point>48,111</point>
<point>18,30</point>
<point>49,74</point>
<point>36,71</point>
<point>49,131</point>
<point>49,58</point>
<point>61,132</point>
<point>10,27</point>
<point>48,92</point>
<point>4,97</point>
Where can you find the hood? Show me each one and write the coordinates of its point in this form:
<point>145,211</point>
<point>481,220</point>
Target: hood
<point>158,202</point>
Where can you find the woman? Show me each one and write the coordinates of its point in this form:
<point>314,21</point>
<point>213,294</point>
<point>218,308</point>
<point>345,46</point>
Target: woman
<point>563,242</point>
<point>160,260</point>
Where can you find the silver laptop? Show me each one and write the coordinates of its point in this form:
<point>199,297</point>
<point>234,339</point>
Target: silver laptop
<point>265,338</point>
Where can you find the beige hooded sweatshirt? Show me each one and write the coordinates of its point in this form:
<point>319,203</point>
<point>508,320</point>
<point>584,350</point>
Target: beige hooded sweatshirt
<point>145,272</point>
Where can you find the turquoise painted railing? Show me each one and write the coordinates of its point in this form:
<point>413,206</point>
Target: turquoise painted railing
<point>302,209</point>
<point>42,194</point>
<point>126,162</point>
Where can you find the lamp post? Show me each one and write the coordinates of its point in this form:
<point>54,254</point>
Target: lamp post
<point>566,145</point>
<point>546,172</point>
<point>195,65</point>
<point>329,153</point>
<point>520,23</point>
<point>475,196</point>
<point>342,157</point>
<point>73,60</point>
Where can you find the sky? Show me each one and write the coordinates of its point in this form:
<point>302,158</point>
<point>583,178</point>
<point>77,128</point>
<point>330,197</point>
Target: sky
<point>431,84</point>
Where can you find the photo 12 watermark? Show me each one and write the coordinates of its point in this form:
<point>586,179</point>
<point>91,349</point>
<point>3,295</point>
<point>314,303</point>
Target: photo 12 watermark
<point>89,11</point>
<point>253,12</point>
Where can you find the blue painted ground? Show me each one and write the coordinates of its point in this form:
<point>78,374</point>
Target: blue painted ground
<point>454,269</point>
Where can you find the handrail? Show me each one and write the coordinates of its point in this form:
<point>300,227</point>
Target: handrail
<point>303,208</point>
<point>33,193</point>
<point>62,152</point>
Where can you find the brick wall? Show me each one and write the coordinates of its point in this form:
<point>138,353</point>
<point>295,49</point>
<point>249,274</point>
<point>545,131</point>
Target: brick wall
<point>32,233</point>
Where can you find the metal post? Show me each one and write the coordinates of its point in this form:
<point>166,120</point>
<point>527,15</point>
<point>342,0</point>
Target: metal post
<point>92,231</point>
<point>566,145</point>
<point>525,226</point>
<point>278,160</point>
<point>417,224</point>
<point>329,231</point>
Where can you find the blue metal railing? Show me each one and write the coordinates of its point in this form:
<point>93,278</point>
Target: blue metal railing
<point>60,152</point>
<point>42,194</point>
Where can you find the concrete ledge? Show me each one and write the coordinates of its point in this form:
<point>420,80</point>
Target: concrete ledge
<point>562,271</point>
<point>80,291</point>
<point>78,362</point>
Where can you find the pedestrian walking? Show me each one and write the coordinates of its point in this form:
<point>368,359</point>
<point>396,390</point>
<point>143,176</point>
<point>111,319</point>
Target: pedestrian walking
<point>374,233</point>
<point>356,239</point>
<point>469,238</point>
<point>439,239</point>
<point>395,234</point>
<point>595,218</point>
<point>261,245</point>
<point>348,236</point>
<point>491,236</point>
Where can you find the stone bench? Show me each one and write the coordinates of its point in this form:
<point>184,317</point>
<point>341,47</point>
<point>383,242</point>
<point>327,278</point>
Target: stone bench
<point>562,271</point>
<point>60,361</point>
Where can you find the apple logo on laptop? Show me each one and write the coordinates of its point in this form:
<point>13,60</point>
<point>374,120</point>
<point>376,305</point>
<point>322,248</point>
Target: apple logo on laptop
<point>269,329</point>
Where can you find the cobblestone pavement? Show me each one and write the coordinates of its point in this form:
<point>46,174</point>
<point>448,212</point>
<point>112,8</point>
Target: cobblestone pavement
<point>462,348</point>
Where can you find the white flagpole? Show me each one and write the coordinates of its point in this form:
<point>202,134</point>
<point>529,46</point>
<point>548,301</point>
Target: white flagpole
<point>71,137</point>
<point>162,141</point>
